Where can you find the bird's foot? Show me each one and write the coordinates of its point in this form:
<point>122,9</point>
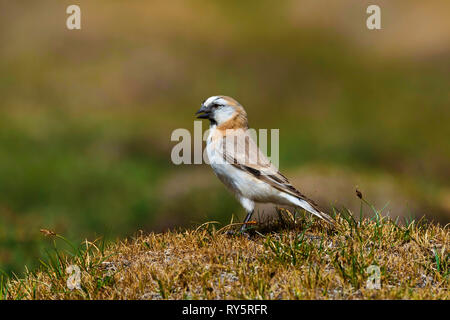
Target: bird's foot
<point>234,233</point>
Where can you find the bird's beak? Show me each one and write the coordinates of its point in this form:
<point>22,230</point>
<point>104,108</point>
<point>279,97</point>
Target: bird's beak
<point>203,113</point>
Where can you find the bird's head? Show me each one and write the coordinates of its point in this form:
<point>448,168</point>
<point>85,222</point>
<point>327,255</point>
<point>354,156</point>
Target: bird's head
<point>224,112</point>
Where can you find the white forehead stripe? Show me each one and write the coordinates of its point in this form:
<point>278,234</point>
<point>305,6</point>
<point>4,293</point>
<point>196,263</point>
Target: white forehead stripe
<point>216,99</point>
<point>210,100</point>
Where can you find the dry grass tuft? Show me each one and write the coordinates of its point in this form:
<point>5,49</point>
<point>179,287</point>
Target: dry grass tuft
<point>304,259</point>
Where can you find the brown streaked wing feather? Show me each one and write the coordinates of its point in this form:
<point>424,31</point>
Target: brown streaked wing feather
<point>244,154</point>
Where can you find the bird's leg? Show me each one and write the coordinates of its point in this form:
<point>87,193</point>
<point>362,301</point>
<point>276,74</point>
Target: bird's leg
<point>247,219</point>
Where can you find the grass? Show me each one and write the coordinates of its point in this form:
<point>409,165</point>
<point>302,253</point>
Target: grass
<point>86,117</point>
<point>294,257</point>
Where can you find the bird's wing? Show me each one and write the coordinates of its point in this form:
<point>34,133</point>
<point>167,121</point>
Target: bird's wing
<point>241,151</point>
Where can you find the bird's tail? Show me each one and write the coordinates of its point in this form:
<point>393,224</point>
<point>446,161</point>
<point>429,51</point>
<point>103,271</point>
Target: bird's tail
<point>325,217</point>
<point>308,207</point>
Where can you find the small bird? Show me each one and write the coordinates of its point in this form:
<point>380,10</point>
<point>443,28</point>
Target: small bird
<point>241,166</point>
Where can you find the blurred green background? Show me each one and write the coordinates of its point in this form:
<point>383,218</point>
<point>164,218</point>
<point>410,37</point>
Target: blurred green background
<point>86,115</point>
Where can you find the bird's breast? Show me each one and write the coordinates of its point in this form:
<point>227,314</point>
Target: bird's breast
<point>239,181</point>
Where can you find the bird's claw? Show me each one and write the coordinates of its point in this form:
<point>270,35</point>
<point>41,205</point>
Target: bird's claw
<point>233,233</point>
